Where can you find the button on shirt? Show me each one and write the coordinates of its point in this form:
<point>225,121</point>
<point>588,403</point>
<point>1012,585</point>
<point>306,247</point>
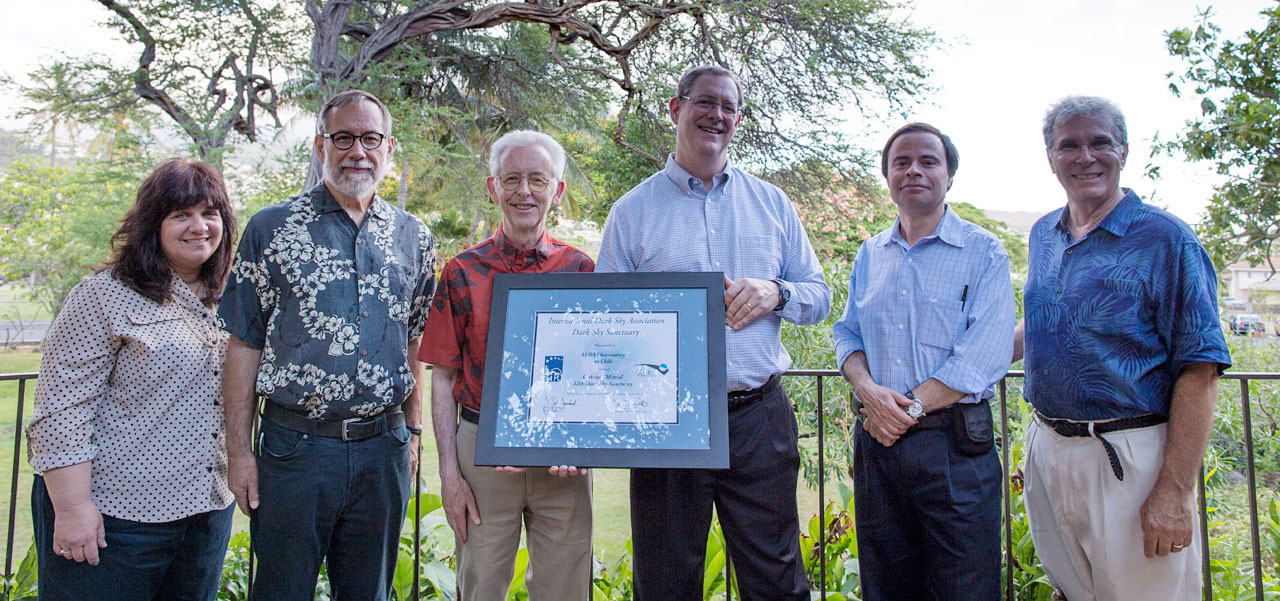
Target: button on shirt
<point>332,305</point>
<point>1112,318</point>
<point>458,327</point>
<point>743,226</point>
<point>910,312</point>
<point>132,386</point>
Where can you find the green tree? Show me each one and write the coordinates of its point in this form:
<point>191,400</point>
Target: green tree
<point>1238,83</point>
<point>58,222</point>
<point>206,66</point>
<point>800,61</point>
<point>50,107</point>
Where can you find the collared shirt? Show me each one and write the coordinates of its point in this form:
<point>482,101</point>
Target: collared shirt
<point>332,305</point>
<point>132,386</point>
<point>458,327</point>
<point>743,226</point>
<point>1112,318</point>
<point>941,309</point>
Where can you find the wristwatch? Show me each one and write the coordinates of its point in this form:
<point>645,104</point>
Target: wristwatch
<point>415,431</point>
<point>784,294</point>
<point>916,409</point>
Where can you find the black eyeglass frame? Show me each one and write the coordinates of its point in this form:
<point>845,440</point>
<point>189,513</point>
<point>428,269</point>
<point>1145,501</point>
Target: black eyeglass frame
<point>333,138</point>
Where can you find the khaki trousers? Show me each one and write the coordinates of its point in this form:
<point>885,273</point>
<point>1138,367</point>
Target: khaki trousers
<point>557,514</point>
<point>1086,524</point>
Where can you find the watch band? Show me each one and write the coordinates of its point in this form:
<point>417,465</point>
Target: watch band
<point>784,295</point>
<point>415,431</point>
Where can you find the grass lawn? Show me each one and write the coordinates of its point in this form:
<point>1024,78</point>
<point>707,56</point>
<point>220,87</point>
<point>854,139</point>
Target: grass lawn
<point>610,486</point>
<point>16,304</point>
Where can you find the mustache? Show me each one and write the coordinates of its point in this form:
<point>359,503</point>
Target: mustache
<point>358,164</point>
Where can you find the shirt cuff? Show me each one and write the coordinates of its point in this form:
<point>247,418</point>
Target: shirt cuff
<point>843,350</point>
<point>43,462</point>
<point>960,376</point>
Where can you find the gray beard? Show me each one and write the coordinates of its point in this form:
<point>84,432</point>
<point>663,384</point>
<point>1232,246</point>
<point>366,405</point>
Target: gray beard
<point>355,187</point>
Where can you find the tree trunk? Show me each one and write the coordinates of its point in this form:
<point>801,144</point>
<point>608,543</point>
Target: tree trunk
<point>402,195</point>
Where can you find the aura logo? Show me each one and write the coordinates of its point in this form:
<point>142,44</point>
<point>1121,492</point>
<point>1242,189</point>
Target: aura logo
<point>647,369</point>
<point>554,368</point>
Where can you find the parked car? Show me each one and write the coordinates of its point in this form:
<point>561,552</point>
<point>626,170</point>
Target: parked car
<point>1247,323</point>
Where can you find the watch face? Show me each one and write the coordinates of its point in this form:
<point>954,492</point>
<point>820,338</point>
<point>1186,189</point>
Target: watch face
<point>916,410</point>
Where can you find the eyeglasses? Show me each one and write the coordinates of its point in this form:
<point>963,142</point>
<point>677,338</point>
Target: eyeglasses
<point>537,183</point>
<point>344,140</point>
<point>1073,149</point>
<point>707,104</point>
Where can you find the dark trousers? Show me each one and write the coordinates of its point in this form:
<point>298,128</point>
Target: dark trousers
<point>179,560</point>
<point>755,499</point>
<point>321,498</point>
<point>928,519</point>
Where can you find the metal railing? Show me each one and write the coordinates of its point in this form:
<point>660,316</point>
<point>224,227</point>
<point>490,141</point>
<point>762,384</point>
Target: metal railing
<point>820,376</point>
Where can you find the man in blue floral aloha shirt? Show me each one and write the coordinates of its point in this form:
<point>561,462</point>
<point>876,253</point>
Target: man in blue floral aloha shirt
<point>326,305</point>
<point>1123,353</point>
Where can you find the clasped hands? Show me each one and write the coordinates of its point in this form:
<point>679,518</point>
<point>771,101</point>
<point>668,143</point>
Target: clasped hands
<point>747,299</point>
<point>885,413</point>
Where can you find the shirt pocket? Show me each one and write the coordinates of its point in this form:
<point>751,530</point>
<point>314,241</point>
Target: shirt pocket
<point>156,329</point>
<point>941,322</point>
<point>757,257</point>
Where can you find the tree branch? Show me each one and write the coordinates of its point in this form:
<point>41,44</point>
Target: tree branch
<point>142,80</point>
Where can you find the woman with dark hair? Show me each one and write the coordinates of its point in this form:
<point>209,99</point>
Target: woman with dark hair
<point>130,499</point>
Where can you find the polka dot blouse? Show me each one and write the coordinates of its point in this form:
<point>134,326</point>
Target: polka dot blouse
<point>133,386</point>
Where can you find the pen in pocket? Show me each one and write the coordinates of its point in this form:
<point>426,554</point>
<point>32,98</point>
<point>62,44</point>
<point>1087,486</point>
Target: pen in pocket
<point>964,296</point>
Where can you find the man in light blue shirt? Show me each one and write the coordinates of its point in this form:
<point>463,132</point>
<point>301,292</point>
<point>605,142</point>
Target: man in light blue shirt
<point>927,333</point>
<point>701,214</point>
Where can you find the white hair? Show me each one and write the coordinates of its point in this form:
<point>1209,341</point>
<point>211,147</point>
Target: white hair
<point>523,138</point>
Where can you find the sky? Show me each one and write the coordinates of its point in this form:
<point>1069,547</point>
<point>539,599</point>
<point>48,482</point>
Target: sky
<point>1009,60</point>
<point>1005,62</point>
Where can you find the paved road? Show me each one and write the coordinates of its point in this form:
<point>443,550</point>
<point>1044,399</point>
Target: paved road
<point>13,332</point>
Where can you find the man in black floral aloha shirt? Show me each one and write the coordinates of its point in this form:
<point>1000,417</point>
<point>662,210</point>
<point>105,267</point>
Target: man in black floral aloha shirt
<point>326,304</point>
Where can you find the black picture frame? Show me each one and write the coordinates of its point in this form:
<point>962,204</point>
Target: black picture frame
<point>696,433</point>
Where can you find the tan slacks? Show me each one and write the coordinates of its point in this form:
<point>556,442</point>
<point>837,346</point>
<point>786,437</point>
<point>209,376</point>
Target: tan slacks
<point>557,515</point>
<point>1086,524</point>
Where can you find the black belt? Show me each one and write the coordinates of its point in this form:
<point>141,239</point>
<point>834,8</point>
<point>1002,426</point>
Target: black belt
<point>470,415</point>
<point>742,398</point>
<point>349,430</point>
<point>931,421</point>
<point>1097,429</point>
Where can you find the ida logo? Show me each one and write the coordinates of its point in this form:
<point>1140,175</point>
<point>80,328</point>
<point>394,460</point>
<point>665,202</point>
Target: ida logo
<point>651,370</point>
<point>554,366</point>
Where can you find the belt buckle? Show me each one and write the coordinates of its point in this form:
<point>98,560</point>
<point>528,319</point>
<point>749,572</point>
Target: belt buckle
<point>345,423</point>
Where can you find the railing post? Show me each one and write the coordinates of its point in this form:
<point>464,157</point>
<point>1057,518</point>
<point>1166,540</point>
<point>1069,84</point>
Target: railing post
<point>1253,490</point>
<point>417,518</point>
<point>822,498</point>
<point>1206,577</point>
<point>13,486</point>
<point>1008,502</point>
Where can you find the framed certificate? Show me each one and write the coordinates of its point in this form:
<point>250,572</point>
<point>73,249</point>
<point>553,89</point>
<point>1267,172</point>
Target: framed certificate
<point>605,370</point>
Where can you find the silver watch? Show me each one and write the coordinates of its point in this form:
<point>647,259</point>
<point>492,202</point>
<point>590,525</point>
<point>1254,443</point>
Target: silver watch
<point>916,409</point>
